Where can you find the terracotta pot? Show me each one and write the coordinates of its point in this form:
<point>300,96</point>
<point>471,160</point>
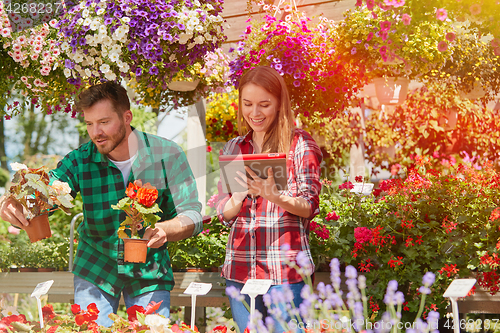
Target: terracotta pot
<point>38,228</point>
<point>183,85</point>
<point>27,269</point>
<point>390,90</point>
<point>135,250</point>
<point>46,269</point>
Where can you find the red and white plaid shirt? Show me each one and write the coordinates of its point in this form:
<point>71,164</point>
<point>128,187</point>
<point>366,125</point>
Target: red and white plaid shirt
<point>262,227</point>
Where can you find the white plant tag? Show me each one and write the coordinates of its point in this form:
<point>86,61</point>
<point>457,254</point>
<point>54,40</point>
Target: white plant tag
<point>459,288</point>
<point>42,288</point>
<point>256,286</point>
<point>198,288</point>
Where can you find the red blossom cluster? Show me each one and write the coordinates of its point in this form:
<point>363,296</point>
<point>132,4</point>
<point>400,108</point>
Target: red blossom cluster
<point>449,269</point>
<point>321,231</point>
<point>332,216</point>
<point>393,262</point>
<point>346,186</point>
<point>448,226</point>
<point>365,266</point>
<point>6,323</point>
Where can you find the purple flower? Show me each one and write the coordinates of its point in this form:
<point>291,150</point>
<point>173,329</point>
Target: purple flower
<point>233,292</point>
<point>353,50</point>
<point>424,290</point>
<point>138,71</point>
<point>428,279</point>
<point>153,70</point>
<point>296,83</point>
<point>69,64</point>
<point>351,273</point>
<point>392,286</point>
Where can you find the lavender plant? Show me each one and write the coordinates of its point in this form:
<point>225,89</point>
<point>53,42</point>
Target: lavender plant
<point>328,309</point>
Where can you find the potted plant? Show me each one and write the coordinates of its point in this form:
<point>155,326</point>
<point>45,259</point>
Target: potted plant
<point>472,67</point>
<point>38,196</point>
<point>140,207</point>
<point>147,42</point>
<point>390,49</point>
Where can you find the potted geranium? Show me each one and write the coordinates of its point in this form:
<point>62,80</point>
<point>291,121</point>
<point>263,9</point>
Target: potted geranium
<point>34,191</point>
<point>140,207</point>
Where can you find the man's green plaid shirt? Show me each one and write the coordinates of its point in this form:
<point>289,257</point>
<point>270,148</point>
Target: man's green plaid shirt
<point>99,258</point>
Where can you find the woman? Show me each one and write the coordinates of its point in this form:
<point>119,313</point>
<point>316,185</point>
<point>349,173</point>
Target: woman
<point>262,219</point>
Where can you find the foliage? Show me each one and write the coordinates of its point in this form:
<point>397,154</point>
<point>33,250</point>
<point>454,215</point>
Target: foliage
<point>382,43</point>
<point>30,187</point>
<point>473,64</point>
<point>140,206</point>
<point>327,309</point>
<point>206,250</point>
<point>433,121</point>
<point>221,117</point>
<point>139,320</point>
<point>303,53</point>
<point>430,221</point>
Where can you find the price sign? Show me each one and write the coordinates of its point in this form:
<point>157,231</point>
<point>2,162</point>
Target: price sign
<point>256,286</point>
<point>459,288</point>
<point>198,288</point>
<point>42,288</point>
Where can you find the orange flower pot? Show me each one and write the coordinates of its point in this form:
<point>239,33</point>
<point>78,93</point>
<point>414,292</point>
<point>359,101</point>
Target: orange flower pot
<point>38,228</point>
<point>135,250</point>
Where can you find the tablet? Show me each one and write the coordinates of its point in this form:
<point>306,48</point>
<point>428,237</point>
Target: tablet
<point>259,163</point>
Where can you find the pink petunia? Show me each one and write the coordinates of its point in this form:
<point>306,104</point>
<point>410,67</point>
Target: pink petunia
<point>370,4</point>
<point>450,36</point>
<point>385,25</point>
<point>406,19</point>
<point>369,37</point>
<point>441,14</point>
<point>442,46</point>
<point>475,9</point>
<point>398,3</point>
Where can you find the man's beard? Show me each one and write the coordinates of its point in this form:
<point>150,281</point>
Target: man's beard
<point>112,143</point>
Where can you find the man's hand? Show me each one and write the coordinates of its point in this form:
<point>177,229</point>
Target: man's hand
<point>157,236</point>
<point>12,211</point>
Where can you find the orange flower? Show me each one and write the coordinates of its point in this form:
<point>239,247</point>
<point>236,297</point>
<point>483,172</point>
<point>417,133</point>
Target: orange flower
<point>147,196</point>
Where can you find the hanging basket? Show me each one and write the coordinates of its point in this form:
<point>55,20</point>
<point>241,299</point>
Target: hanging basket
<point>476,92</point>
<point>449,120</point>
<point>38,228</point>
<point>367,91</point>
<point>183,85</point>
<point>390,90</point>
<point>135,250</point>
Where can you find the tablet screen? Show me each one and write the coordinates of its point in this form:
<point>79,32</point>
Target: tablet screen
<point>259,163</point>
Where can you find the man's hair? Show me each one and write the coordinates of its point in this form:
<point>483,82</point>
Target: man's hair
<point>109,90</point>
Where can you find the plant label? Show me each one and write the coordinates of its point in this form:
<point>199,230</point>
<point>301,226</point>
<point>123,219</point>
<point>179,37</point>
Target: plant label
<point>42,288</point>
<point>459,288</point>
<point>198,288</point>
<point>362,188</point>
<point>256,286</point>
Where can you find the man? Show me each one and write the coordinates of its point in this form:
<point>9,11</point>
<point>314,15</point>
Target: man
<point>100,170</point>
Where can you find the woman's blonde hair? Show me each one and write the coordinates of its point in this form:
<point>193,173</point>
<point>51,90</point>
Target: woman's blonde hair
<point>280,134</point>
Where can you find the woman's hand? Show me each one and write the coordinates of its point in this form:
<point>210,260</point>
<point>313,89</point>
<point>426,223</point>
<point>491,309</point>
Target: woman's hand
<point>266,188</point>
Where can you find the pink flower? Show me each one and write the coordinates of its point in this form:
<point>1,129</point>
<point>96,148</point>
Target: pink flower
<point>363,234</point>
<point>475,9</point>
<point>359,3</point>
<point>441,14</point>
<point>332,216</point>
<point>385,25</point>
<point>369,37</point>
<point>398,3</point>
<point>346,185</point>
<point>370,4</point>
<point>442,46</point>
<point>406,19</point>
<point>450,36</point>
<point>495,43</point>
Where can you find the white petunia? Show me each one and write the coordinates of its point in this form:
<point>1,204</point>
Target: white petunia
<point>78,57</point>
<point>85,13</point>
<point>199,40</point>
<point>110,76</point>
<point>126,19</point>
<point>16,167</point>
<point>124,68</point>
<point>100,11</point>
<point>104,68</point>
<point>95,25</point>
<point>79,21</point>
<point>172,57</point>
<point>67,72</point>
<point>183,38</point>
<point>87,21</point>
<point>113,56</point>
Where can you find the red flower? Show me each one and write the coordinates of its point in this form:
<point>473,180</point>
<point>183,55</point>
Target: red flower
<point>363,234</point>
<point>152,307</point>
<point>219,329</point>
<point>75,309</point>
<point>495,214</point>
<point>147,195</point>
<point>132,312</point>
<point>449,269</point>
<point>393,262</point>
<point>131,190</point>
<point>209,149</point>
<point>48,312</point>
<point>332,216</point>
<point>346,185</point>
